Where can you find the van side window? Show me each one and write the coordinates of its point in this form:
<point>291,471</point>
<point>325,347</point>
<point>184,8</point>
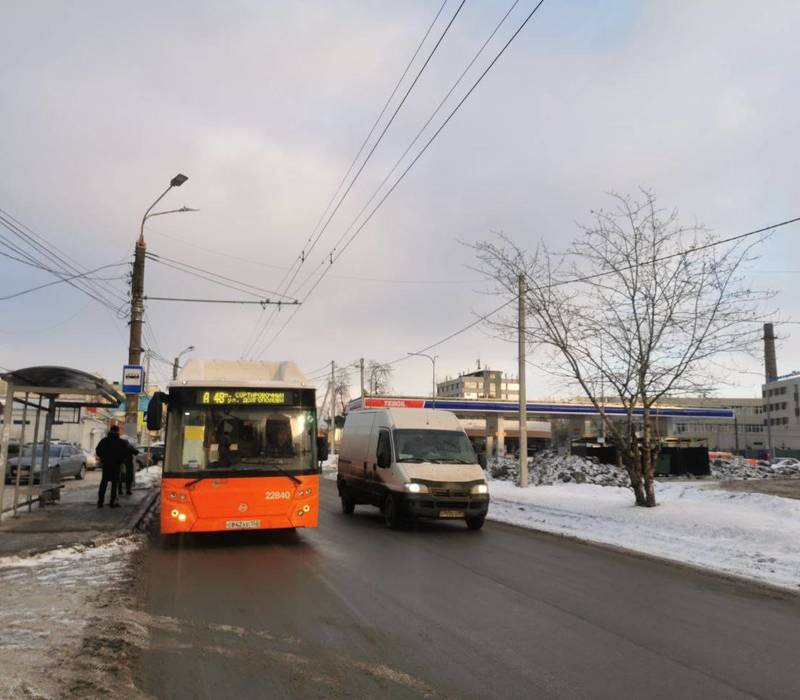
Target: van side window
<point>384,444</point>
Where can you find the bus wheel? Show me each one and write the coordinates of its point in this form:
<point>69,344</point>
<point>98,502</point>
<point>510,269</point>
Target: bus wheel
<point>391,512</point>
<point>475,523</point>
<point>348,504</point>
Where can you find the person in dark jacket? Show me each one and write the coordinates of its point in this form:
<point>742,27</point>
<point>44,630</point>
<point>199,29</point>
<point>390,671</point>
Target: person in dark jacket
<point>111,451</point>
<point>129,469</point>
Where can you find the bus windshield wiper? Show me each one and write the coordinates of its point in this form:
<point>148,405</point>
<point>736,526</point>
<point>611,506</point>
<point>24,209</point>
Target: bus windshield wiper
<point>285,473</point>
<point>197,480</point>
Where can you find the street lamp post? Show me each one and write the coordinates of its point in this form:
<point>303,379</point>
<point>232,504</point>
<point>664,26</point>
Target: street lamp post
<point>137,305</point>
<point>432,358</point>
<point>176,364</point>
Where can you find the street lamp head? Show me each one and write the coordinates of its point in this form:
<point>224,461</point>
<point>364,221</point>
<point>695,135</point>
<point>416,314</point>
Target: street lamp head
<point>178,180</point>
<point>185,208</point>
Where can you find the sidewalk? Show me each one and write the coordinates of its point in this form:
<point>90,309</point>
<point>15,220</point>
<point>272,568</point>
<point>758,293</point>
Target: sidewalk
<point>76,519</point>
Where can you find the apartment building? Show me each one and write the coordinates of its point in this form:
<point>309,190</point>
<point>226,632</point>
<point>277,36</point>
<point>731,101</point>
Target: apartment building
<point>480,384</point>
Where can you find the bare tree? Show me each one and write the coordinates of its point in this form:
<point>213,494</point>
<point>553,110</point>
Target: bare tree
<point>379,378</point>
<point>341,388</point>
<point>635,310</point>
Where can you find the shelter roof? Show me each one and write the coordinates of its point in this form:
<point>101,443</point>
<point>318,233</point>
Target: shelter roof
<point>64,382</point>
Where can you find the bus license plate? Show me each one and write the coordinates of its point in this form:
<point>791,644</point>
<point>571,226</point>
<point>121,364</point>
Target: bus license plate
<point>451,513</point>
<point>242,524</point>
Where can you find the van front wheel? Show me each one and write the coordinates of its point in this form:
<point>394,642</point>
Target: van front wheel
<point>348,504</point>
<point>391,512</point>
<point>475,523</point>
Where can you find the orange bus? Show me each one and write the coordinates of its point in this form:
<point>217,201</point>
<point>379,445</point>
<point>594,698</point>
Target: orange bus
<point>241,448</point>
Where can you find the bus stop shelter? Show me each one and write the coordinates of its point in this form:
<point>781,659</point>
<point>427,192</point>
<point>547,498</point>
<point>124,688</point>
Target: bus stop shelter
<point>47,396</point>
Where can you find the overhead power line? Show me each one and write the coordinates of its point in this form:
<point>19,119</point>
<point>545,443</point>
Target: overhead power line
<point>214,278</point>
<point>262,302</point>
<point>408,168</point>
<point>588,278</point>
<point>416,138</point>
<point>60,281</point>
<point>43,254</point>
<point>355,177</point>
<point>283,268</point>
<point>194,268</point>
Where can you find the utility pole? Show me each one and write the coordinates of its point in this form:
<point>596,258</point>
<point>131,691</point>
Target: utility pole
<point>144,432</point>
<point>332,436</point>
<point>137,306</point>
<point>135,340</point>
<point>523,396</point>
<point>361,366</point>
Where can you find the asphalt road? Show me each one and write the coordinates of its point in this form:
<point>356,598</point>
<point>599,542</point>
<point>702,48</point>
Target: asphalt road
<point>355,610</point>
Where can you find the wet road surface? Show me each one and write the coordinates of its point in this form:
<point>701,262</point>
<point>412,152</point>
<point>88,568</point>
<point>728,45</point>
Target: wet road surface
<point>355,610</point>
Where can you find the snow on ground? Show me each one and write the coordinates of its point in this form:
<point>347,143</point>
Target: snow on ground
<point>330,467</point>
<point>60,618</point>
<point>549,468</point>
<point>743,534</point>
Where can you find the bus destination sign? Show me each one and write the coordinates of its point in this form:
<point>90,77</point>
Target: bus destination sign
<point>242,398</point>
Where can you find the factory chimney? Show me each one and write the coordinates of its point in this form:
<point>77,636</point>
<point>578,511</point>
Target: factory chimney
<point>770,363</point>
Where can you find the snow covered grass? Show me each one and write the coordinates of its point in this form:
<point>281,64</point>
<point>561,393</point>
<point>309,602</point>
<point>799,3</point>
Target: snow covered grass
<point>744,534</point>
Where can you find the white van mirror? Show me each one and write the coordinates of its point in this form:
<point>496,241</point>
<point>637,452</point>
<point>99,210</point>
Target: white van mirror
<point>482,459</point>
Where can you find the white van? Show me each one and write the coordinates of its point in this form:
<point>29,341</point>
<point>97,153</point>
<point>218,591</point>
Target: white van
<point>411,462</point>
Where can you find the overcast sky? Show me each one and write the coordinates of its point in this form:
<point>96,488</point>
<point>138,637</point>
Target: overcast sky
<point>263,105</point>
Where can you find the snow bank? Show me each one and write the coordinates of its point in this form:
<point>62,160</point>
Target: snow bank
<point>744,534</point>
<point>551,468</point>
<point>740,469</point>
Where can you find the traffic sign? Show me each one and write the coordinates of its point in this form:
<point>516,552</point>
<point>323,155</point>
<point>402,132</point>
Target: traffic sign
<point>132,379</point>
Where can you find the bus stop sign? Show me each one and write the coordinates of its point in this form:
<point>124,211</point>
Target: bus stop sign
<point>132,379</point>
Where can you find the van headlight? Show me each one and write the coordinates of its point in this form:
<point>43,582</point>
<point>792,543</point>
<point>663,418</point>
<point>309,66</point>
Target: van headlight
<point>479,489</point>
<point>415,488</point>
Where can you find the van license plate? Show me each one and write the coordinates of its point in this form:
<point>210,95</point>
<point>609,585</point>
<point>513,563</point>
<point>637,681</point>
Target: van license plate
<point>242,524</point>
<point>451,513</point>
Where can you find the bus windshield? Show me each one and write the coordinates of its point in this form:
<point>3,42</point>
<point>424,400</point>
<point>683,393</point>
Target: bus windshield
<point>241,438</point>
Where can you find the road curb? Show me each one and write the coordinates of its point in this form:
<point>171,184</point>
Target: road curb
<point>764,586</point>
<point>142,510</point>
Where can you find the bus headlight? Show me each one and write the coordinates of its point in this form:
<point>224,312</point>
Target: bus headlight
<point>479,489</point>
<point>414,487</point>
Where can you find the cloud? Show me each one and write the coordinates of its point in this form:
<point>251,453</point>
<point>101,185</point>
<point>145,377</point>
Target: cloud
<point>263,106</point>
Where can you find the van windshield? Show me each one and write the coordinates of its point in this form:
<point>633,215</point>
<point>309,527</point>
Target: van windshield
<point>438,446</point>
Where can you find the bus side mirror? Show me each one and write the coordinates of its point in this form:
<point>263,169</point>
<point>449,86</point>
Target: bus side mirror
<point>155,411</point>
<point>482,459</point>
<point>384,460</point>
<point>322,449</point>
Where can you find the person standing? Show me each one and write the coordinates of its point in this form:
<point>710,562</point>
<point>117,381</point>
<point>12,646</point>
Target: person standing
<point>130,469</point>
<point>111,451</point>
